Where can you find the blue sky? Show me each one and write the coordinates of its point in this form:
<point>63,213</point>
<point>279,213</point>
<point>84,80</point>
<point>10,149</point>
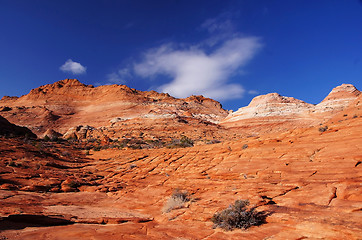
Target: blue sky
<point>228,50</point>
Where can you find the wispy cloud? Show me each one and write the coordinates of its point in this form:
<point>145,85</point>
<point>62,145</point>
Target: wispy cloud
<point>253,92</point>
<point>118,77</point>
<point>221,24</point>
<point>73,67</point>
<point>220,28</point>
<point>203,68</point>
<point>193,71</point>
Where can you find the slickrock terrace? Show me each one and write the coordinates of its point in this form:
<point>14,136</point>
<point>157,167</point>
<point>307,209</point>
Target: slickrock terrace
<point>306,177</point>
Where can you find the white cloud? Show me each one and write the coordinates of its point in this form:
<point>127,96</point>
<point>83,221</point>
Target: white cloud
<point>253,92</point>
<point>220,28</point>
<point>193,71</point>
<point>119,77</point>
<point>222,23</point>
<point>73,67</point>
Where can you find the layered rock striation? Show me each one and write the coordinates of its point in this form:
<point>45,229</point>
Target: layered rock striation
<point>273,112</point>
<point>77,110</point>
<point>68,103</point>
<point>307,180</point>
<point>63,190</point>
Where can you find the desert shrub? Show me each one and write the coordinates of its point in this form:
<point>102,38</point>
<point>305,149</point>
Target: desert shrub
<point>97,148</point>
<point>154,143</point>
<point>135,146</point>
<point>212,141</point>
<point>239,216</point>
<point>73,184</point>
<point>183,142</point>
<point>176,201</point>
<point>323,129</point>
<point>132,166</point>
<point>88,147</point>
<point>91,140</point>
<point>66,154</point>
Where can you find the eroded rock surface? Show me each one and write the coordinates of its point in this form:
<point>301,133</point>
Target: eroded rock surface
<point>68,103</point>
<point>9,129</point>
<point>308,178</point>
<point>274,113</point>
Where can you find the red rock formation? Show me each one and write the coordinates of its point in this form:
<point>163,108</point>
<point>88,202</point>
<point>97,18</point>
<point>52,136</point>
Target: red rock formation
<point>11,130</point>
<point>273,113</point>
<point>307,177</point>
<point>69,103</point>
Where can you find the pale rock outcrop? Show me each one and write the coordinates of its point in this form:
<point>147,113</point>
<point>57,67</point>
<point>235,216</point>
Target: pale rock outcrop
<point>78,132</point>
<point>270,105</point>
<point>288,112</point>
<point>338,98</point>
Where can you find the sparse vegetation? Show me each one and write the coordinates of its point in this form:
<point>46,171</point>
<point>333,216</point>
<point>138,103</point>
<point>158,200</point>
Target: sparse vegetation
<point>183,142</point>
<point>238,216</point>
<point>73,184</point>
<point>97,148</point>
<point>66,154</point>
<point>214,141</point>
<point>323,129</point>
<point>132,166</point>
<point>176,201</point>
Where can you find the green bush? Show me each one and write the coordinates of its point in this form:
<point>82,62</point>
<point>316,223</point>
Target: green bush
<point>238,216</point>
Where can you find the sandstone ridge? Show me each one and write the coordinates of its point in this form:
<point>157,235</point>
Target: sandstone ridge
<point>117,111</point>
<point>305,176</point>
<point>116,193</point>
<point>288,112</point>
<point>68,103</point>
